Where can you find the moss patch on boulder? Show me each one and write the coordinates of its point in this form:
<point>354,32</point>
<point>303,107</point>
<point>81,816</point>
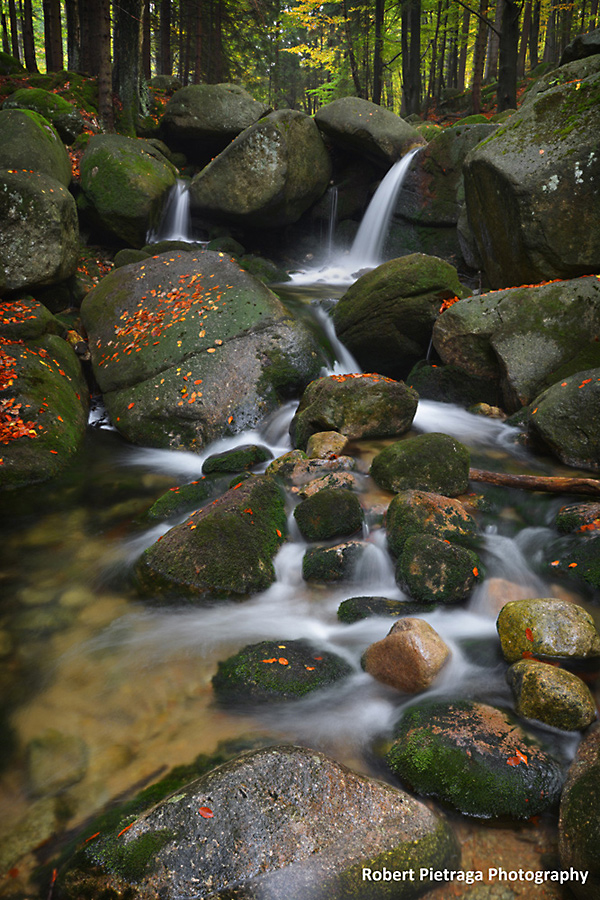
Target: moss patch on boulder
<point>429,462</point>
<point>433,570</point>
<point>547,628</point>
<point>330,513</point>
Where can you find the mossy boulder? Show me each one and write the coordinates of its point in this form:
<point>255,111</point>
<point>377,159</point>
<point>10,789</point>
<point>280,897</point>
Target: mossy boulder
<point>551,695</point>
<point>326,444</point>
<point>29,143</point>
<point>67,120</point>
<point>277,670</point>
<point>238,459</point>
<point>412,513</point>
<point>581,47</point>
<point>9,65</point>
<point>330,513</point>
<point>295,468</point>
<point>367,129</point>
<point>354,609</point>
<point>357,406</point>
<point>433,570</point>
<point>268,176</point>
<point>431,462</point>
<point>330,564</point>
<point>223,549</point>
<point>579,559</point>
<point>543,159</point>
<point>547,628</point>
<point>579,822</point>
<point>451,384</point>
<point>188,348</point>
<point>409,658</point>
<point>202,119</point>
<point>282,821</point>
<point>566,417</point>
<point>583,517</point>
<point>125,184</point>
<point>324,482</point>
<point>525,339</point>
<point>386,318</point>
<point>476,758</point>
<point>183,498</point>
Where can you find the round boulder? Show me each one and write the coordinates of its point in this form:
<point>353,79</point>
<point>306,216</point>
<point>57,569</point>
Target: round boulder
<point>422,512</point>
<point>330,513</point>
<point>550,695</point>
<point>566,418</point>
<point>67,120</point>
<point>29,143</point>
<point>475,757</point>
<point>579,822</point>
<point>356,608</point>
<point>429,462</point>
<point>547,629</point>
<point>330,564</point>
<point>268,176</point>
<point>325,444</point>
<point>239,459</point>
<point>433,570</point>
<point>409,658</point>
<point>358,406</point>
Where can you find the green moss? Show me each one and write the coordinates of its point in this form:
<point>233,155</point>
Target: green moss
<point>330,513</point>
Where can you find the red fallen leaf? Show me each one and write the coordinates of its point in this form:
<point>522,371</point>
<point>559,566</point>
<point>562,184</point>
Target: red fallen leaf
<point>91,837</point>
<point>317,657</point>
<point>521,756</point>
<point>127,827</point>
<point>527,655</point>
<point>529,634</point>
<point>131,405</point>
<point>206,812</point>
<point>517,759</point>
<point>475,571</point>
<point>277,531</point>
<point>274,659</point>
<point>310,668</point>
<point>283,661</point>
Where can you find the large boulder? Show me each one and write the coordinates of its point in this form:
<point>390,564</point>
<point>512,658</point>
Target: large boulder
<point>188,348</point>
<point>433,570</point>
<point>279,822</point>
<point>358,406</point>
<point>582,46</point>
<point>67,120</point>
<point>551,695</point>
<point>29,143</point>
<point>547,629</point>
<point>579,823</point>
<point>432,462</point>
<point>367,129</point>
<point>532,187</point>
<point>39,231</point>
<point>567,419</point>
<point>386,318</point>
<point>329,513</point>
<point>125,183</point>
<point>201,119</point>
<point>476,757</point>
<point>525,339</point>
<point>268,176</point>
<point>409,658</point>
<point>414,512</point>
<point>225,548</point>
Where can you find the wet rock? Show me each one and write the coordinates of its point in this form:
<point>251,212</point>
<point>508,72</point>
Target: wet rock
<point>222,549</point>
<point>409,658</point>
<point>325,444</point>
<point>429,462</point>
<point>579,823</point>
<point>424,512</point>
<point>55,761</point>
<point>330,564</point>
<point>263,269</point>
<point>67,120</point>
<point>36,827</point>
<point>283,821</point>
<point>386,318</point>
<point>239,459</point>
<point>277,670</point>
<point>367,129</point>
<point>356,608</point>
<point>202,119</point>
<point>185,497</point>
<point>357,406</point>
<point>125,184</point>
<point>506,177</point>
<point>188,348</point>
<point>582,517</point>
<point>433,570</point>
<point>296,468</point>
<point>475,757</point>
<point>578,558</point>
<point>330,513</point>
<point>547,629</point>
<point>450,384</point>
<point>550,695</point>
<point>268,176</point>
<point>29,142</point>
<point>334,480</point>
<point>566,418</point>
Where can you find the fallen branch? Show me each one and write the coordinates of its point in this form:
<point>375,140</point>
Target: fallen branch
<point>548,484</point>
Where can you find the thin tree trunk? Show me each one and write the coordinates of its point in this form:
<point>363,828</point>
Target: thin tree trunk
<point>105,99</point>
<point>551,44</point>
<point>479,57</point>
<point>431,81</point>
<point>509,47</point>
<point>14,30</point>
<point>442,57</point>
<point>547,484</point>
<point>534,36</point>
<point>491,68</point>
<point>525,32</point>
<point>28,38</point>
<point>165,60</point>
<point>464,47</point>
<point>199,47</point>
<point>377,51</point>
<point>452,64</point>
<point>593,14</point>
<point>53,36</point>
<point>128,62</point>
<point>73,34</point>
<point>5,41</point>
<point>351,53</point>
<point>146,42</point>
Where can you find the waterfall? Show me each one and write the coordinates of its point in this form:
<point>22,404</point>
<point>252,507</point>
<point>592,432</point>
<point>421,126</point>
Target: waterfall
<point>176,221</point>
<point>332,220</point>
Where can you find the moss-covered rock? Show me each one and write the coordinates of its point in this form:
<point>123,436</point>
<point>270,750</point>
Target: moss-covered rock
<point>386,318</point>
<point>358,406</point>
<point>326,444</point>
<point>125,183</point>
<point>330,513</point>
<point>579,823</point>
<point>188,348</point>
<point>475,757</point>
<point>28,142</point>
<point>277,670</point>
<point>579,559</point>
<point>338,480</point>
<point>9,65</point>
<point>422,512</point>
<point>583,517</point>
<point>432,462</point>
<point>67,120</point>
<point>184,498</point>
<point>547,629</point>
<point>223,549</point>
<point>238,459</point>
<point>433,570</point>
<point>263,269</point>
<point>295,468</point>
<point>451,384</point>
<point>551,695</point>
<point>128,255</point>
<point>409,658</point>
<point>281,821</point>
<point>330,564</point>
<point>566,418</point>
<point>354,609</point>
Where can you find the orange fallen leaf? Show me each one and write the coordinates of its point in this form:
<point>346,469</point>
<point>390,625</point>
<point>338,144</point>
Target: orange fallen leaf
<point>529,634</point>
<point>206,812</point>
<point>283,661</point>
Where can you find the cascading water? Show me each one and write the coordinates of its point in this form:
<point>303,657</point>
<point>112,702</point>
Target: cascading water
<point>176,222</point>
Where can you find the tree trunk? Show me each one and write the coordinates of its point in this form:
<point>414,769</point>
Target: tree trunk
<point>5,41</point>
<point>479,57</point>
<point>431,82</point>
<point>452,64</point>
<point>464,47</point>
<point>534,36</point>
<point>165,60</point>
<point>53,36</point>
<point>551,44</point>
<point>198,45</point>
<point>14,30</point>
<point>73,34</point>
<point>411,56</point>
<point>28,38</point>
<point>351,53</point>
<point>442,56</point>
<point>377,51</point>
<point>491,68</point>
<point>525,31</point>
<point>128,62</point>
<point>105,99</point>
<point>509,47</point>
<point>146,42</point>
<point>547,484</point>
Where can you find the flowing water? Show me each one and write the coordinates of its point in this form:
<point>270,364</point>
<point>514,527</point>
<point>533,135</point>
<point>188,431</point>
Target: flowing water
<point>176,222</point>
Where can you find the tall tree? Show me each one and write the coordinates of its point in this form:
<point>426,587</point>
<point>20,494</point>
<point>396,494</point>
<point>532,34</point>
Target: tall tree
<point>73,34</point>
<point>146,42</point>
<point>164,59</point>
<point>28,38</point>
<point>464,48</point>
<point>14,30</point>
<point>411,56</point>
<point>378,51</point>
<point>509,46</point>
<point>491,68</point>
<point>53,35</point>
<point>5,41</point>
<point>479,56</point>
<point>127,62</point>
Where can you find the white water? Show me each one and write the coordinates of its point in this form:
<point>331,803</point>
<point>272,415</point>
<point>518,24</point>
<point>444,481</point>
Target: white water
<point>367,246</point>
<point>176,222</point>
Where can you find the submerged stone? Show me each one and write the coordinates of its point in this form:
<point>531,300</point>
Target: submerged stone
<point>429,462</point>
<point>550,695</point>
<point>330,513</point>
<point>547,629</point>
<point>356,608</point>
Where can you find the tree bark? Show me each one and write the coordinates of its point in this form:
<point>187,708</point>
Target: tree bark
<point>146,42</point>
<point>53,36</point>
<point>411,56</point>
<point>73,34</point>
<point>534,36</point>
<point>14,30</point>
<point>377,51</point>
<point>547,484</point>
<point>5,41</point>
<point>105,99</point>
<point>508,53</point>
<point>351,53</point>
<point>464,47</point>
<point>165,60</point>
<point>198,47</point>
<point>28,38</point>
<point>525,31</point>
<point>493,47</point>
<point>127,74</point>
<point>479,56</point>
